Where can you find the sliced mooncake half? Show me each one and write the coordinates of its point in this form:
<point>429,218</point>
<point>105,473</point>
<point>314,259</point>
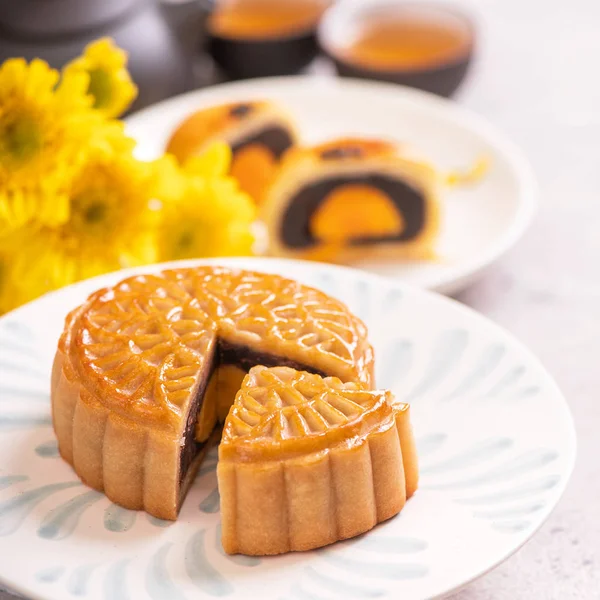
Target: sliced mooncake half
<point>352,199</point>
<point>258,132</point>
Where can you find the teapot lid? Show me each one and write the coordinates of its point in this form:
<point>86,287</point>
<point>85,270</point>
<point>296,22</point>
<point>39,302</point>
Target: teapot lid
<point>49,18</point>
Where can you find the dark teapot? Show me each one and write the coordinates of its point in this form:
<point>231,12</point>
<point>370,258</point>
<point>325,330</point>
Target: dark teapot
<point>161,37</point>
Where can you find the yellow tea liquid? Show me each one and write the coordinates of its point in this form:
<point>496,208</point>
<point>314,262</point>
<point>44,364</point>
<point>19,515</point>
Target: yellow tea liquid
<point>408,42</point>
<point>264,19</point>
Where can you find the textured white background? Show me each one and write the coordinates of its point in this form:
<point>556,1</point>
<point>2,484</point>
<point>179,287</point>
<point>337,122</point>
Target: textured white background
<point>537,76</point>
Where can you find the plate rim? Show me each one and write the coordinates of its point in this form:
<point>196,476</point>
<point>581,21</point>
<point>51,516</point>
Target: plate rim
<point>570,443</point>
<point>456,278</point>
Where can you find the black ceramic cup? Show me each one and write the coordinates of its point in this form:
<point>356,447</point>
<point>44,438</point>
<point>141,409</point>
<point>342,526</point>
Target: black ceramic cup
<point>343,22</point>
<point>242,57</point>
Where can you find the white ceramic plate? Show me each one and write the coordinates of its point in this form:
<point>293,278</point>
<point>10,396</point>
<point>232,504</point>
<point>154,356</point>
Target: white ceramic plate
<point>496,444</point>
<point>481,222</point>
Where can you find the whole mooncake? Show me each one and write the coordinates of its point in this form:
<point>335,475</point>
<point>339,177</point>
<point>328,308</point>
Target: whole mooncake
<point>147,372</point>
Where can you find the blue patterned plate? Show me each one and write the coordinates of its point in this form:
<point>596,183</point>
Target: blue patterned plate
<point>496,445</point>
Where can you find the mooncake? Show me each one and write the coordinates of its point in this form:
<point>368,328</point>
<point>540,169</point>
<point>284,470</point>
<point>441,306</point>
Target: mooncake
<point>306,461</point>
<point>152,372</point>
<point>258,132</point>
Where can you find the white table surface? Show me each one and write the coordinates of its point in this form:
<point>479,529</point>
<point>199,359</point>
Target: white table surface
<point>537,77</point>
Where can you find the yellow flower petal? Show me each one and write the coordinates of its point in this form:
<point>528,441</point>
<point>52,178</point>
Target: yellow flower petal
<point>27,267</point>
<point>215,161</point>
<point>110,215</point>
<point>109,82</point>
<point>169,181</point>
<point>44,127</point>
<point>105,224</point>
<point>204,213</point>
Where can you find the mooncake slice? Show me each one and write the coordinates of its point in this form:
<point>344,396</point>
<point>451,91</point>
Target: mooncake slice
<point>305,461</point>
<point>258,132</point>
<point>352,199</point>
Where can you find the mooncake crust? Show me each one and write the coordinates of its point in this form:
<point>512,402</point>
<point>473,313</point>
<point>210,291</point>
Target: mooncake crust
<point>227,123</point>
<point>131,359</point>
<point>306,461</point>
<point>352,157</point>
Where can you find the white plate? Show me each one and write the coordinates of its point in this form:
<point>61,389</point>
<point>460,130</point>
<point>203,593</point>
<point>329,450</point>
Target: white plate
<point>496,444</point>
<point>481,222</point>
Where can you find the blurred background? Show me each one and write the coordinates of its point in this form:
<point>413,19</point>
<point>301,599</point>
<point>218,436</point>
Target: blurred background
<point>176,45</point>
<point>531,70</point>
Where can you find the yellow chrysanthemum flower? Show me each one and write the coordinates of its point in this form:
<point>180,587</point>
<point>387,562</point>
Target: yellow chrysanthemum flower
<point>111,224</point>
<point>109,81</point>
<point>27,269</point>
<point>204,213</point>
<point>44,126</point>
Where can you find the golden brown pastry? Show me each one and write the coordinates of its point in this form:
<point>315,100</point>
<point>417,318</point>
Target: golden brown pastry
<point>259,132</point>
<point>145,369</point>
<point>306,461</point>
<point>350,199</point>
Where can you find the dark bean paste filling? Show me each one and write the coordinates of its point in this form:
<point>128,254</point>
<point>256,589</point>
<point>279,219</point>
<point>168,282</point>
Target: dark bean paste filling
<point>245,358</point>
<point>275,138</point>
<point>191,448</point>
<point>295,224</point>
<point>226,354</point>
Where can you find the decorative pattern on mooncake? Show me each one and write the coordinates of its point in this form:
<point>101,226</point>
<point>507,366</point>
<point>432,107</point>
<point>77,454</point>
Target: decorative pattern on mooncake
<point>305,461</point>
<point>258,132</point>
<point>144,369</point>
<point>351,199</point>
